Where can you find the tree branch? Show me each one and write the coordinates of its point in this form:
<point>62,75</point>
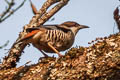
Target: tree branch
<point>117,18</point>
<point>9,11</point>
<point>48,15</point>
<point>100,61</point>
<point>4,44</point>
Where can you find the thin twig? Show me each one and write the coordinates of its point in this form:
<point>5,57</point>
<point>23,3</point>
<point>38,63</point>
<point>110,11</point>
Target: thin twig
<point>34,9</point>
<point>9,12</point>
<point>10,5</point>
<point>4,45</point>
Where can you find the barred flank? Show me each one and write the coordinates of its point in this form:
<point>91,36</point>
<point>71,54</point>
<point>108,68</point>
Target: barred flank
<point>55,35</point>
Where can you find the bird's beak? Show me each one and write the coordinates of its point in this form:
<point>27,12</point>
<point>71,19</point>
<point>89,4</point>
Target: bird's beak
<point>83,26</point>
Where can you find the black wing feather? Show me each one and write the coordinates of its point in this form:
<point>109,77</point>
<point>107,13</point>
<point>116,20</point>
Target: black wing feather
<point>49,27</point>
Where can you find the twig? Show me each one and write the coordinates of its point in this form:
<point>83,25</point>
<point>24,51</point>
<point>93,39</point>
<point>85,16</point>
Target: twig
<point>43,10</point>
<point>10,5</point>
<point>34,9</point>
<point>55,9</point>
<point>8,11</point>
<point>117,17</point>
<point>4,45</point>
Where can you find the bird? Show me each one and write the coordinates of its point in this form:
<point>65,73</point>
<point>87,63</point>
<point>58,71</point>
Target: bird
<point>53,38</point>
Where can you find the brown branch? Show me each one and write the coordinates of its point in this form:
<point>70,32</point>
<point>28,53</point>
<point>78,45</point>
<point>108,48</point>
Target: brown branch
<point>117,18</point>
<point>43,10</point>
<point>17,48</point>
<point>100,61</point>
<point>10,5</point>
<point>9,11</point>
<point>34,9</point>
<point>48,15</point>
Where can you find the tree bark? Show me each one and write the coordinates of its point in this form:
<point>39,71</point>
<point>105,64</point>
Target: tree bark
<point>100,61</point>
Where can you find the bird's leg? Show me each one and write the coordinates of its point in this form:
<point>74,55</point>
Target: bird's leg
<point>43,53</point>
<point>37,46</point>
<point>56,51</point>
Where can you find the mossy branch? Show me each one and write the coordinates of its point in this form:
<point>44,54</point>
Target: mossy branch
<point>100,61</point>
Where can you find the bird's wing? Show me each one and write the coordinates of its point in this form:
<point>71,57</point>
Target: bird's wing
<point>49,27</point>
<point>33,31</point>
<point>29,35</point>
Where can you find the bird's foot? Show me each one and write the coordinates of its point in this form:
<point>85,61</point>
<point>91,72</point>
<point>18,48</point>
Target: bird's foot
<point>60,55</point>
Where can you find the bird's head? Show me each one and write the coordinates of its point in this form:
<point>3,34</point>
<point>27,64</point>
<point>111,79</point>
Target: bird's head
<point>73,26</point>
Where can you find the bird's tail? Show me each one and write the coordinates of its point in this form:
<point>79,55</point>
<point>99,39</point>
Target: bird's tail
<point>28,36</point>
